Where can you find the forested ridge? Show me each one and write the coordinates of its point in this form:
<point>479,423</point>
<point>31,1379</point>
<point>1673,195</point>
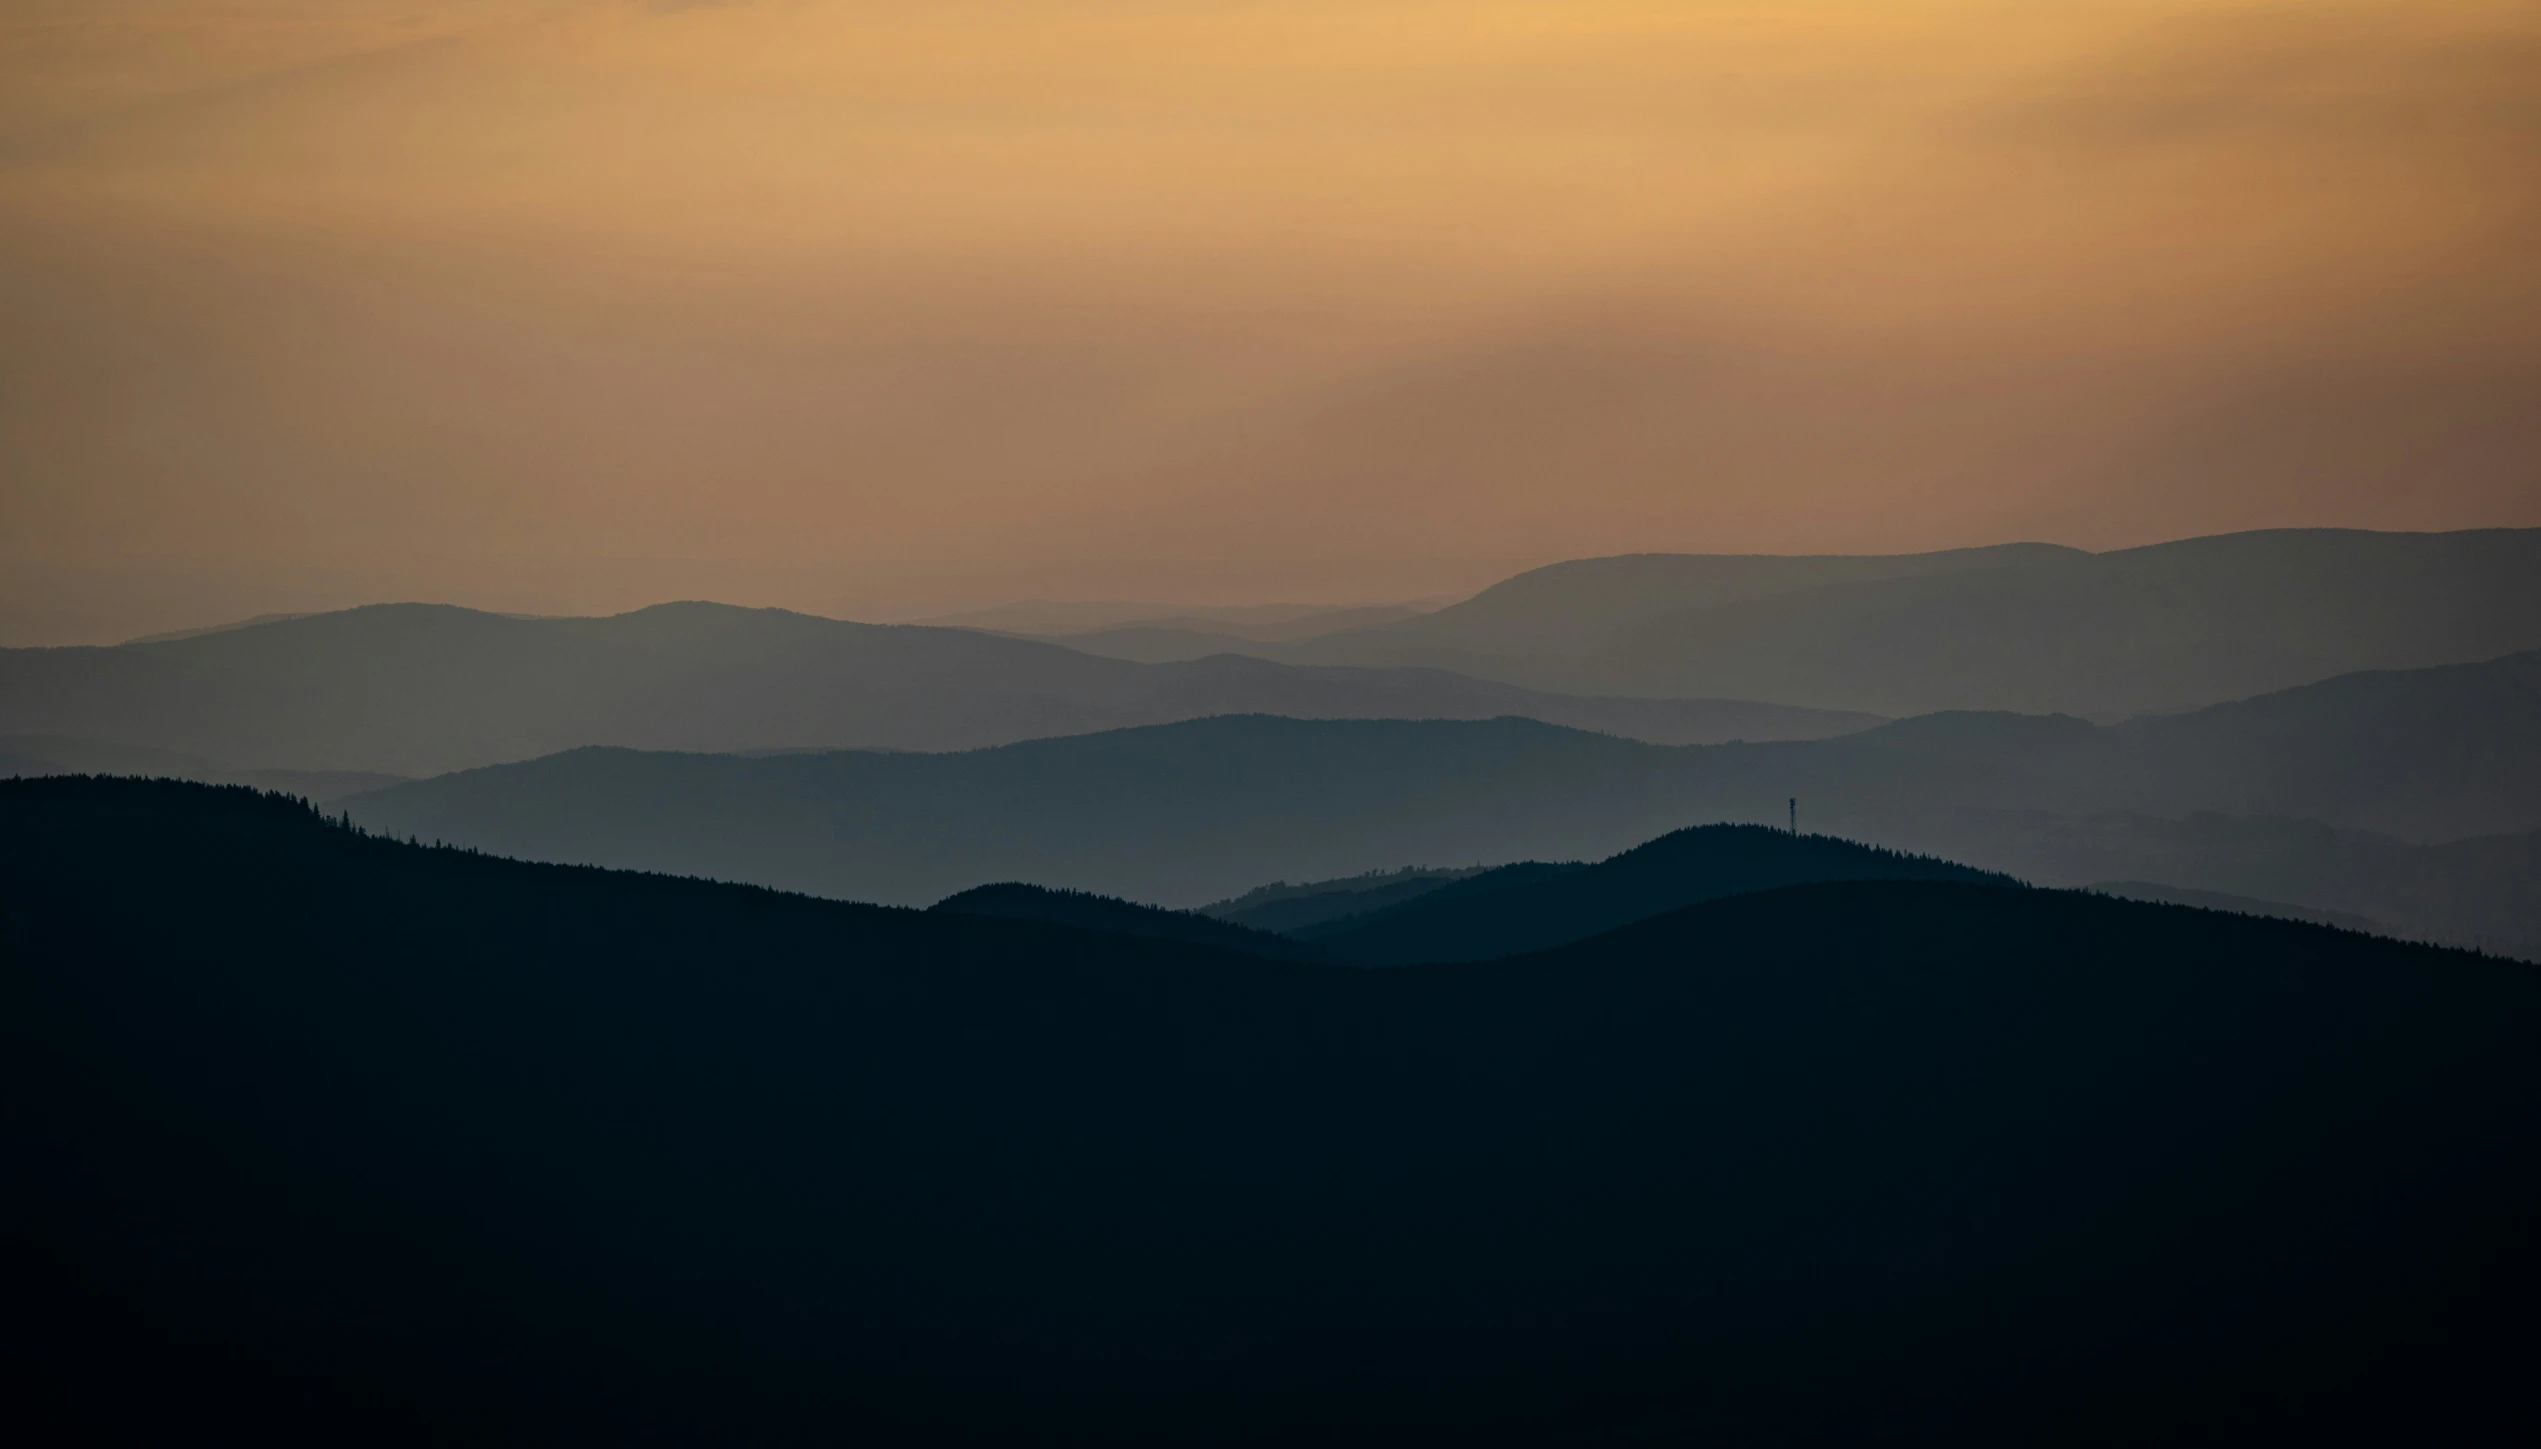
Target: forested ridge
<point>324,1133</point>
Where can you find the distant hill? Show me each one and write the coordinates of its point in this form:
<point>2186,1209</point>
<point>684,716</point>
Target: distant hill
<point>1582,596</point>
<point>1668,649</point>
<point>1084,910</point>
<point>171,635</point>
<point>2424,754</point>
<point>2023,628</point>
<point>419,689</point>
<point>1048,618</point>
<point>318,1137</point>
<point>1562,603</point>
<point>1521,908</point>
<point>1166,644</point>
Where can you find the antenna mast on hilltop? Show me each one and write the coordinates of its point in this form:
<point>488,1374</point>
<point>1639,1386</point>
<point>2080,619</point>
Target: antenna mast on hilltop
<point>1795,814</point>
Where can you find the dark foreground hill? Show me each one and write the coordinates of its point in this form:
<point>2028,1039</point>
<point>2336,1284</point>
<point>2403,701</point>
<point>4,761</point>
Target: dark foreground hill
<point>1015,901</point>
<point>419,689</point>
<point>1532,906</point>
<point>22,755</point>
<point>316,1135</point>
<point>2482,893</point>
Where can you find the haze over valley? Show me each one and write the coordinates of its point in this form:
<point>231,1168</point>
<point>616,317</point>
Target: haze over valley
<point>705,740</point>
<point>773,723</point>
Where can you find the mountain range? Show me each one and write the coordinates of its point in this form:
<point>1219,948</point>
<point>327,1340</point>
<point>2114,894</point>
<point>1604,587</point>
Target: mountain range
<point>1177,815</point>
<point>2423,754</point>
<point>758,745</point>
<point>1265,623</point>
<point>414,689</point>
<point>2031,628</point>
<point>315,1135</point>
<point>2407,797</point>
<point>1670,649</point>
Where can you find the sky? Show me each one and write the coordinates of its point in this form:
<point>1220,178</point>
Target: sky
<point>885,310</point>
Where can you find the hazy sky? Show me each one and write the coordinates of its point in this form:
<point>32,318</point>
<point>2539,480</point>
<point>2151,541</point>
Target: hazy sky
<point>882,309</point>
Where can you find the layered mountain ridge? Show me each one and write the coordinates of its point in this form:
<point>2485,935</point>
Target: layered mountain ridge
<point>2030,628</point>
<point>418,689</point>
<point>2405,797</point>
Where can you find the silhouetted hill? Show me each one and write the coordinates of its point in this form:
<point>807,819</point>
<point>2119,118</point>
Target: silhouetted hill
<point>1282,907</point>
<point>54,755</point>
<point>2029,629</point>
<point>417,689</point>
<point>317,1136</point>
<point>1180,815</point>
<point>2483,893</point>
<point>1582,596</point>
<point>1087,911</point>
<point>1480,885</point>
<point>1522,908</point>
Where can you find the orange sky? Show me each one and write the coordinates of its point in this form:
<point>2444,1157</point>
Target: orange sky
<point>884,309</point>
